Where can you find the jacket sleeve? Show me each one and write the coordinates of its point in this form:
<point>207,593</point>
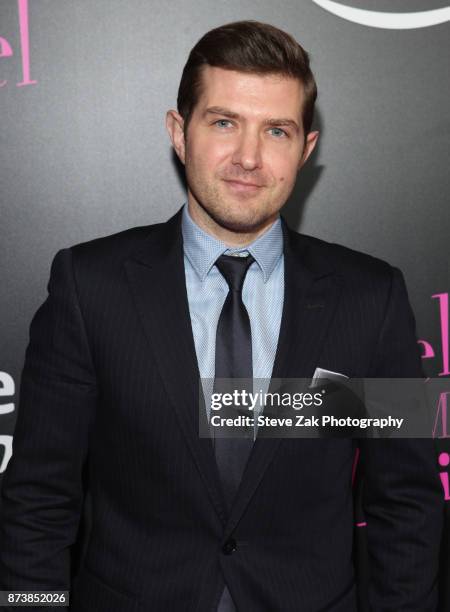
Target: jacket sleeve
<point>41,494</point>
<point>402,495</point>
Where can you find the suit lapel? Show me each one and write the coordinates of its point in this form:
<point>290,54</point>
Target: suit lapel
<point>157,280</point>
<point>310,298</point>
<point>312,290</point>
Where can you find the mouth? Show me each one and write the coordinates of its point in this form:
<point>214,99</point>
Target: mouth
<point>242,186</point>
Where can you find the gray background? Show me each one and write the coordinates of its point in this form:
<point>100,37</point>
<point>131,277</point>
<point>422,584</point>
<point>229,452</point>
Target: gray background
<point>84,152</point>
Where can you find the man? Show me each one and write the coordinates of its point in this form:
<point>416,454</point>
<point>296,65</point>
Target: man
<point>131,324</point>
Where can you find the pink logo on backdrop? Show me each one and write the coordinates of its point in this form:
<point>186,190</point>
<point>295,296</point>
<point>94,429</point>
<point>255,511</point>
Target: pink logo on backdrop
<point>7,51</point>
<point>441,421</point>
<point>444,461</point>
<point>441,424</point>
<point>429,352</point>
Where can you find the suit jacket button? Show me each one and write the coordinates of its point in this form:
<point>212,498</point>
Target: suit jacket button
<point>229,547</point>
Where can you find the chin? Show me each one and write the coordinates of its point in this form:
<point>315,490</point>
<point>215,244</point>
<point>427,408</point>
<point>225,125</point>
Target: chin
<point>240,224</point>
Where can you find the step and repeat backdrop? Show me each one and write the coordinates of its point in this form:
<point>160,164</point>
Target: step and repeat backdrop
<point>84,87</point>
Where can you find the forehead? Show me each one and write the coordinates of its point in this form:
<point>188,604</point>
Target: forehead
<point>250,94</point>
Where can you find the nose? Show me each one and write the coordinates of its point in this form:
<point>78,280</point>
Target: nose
<point>247,153</point>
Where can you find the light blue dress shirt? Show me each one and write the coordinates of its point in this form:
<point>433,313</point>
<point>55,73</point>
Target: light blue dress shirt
<point>262,294</point>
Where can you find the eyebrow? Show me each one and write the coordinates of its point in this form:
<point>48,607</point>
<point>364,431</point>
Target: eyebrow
<point>225,112</point>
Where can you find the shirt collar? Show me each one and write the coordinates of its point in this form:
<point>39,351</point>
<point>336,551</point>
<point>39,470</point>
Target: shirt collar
<point>202,249</point>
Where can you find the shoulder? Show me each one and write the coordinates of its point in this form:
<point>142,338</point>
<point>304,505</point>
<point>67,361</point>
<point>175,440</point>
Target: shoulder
<point>348,263</point>
<point>115,247</point>
<point>363,278</point>
<point>100,262</point>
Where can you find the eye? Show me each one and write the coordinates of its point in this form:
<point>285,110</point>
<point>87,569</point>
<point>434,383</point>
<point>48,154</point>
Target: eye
<point>222,123</point>
<point>278,132</point>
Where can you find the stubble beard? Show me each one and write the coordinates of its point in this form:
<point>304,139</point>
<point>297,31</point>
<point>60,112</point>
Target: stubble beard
<point>244,219</point>
<point>233,218</point>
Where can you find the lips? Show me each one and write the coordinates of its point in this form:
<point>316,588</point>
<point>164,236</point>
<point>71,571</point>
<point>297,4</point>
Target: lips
<point>242,185</point>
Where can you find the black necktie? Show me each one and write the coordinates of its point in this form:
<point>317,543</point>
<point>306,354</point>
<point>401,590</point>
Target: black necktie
<point>233,360</point>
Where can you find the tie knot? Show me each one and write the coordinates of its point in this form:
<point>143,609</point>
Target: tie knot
<point>233,269</point>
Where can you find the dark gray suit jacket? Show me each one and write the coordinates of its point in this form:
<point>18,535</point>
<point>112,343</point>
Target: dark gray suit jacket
<point>110,389</point>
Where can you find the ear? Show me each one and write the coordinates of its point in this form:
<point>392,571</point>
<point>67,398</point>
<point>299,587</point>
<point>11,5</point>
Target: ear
<point>175,127</point>
<point>311,141</point>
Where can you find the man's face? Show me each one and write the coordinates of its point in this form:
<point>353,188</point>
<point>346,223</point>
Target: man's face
<point>243,148</point>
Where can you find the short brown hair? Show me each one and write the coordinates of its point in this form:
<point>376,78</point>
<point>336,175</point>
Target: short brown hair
<point>247,46</point>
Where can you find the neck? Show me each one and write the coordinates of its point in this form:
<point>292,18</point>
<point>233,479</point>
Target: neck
<point>229,237</point>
